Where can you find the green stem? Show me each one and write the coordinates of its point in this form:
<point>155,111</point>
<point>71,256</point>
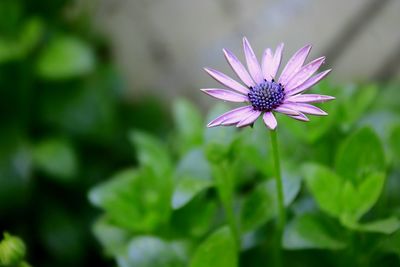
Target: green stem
<point>279,189</point>
<point>225,187</point>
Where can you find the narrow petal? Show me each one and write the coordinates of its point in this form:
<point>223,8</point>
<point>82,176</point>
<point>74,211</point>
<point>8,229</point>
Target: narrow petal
<point>238,114</point>
<point>309,98</point>
<point>266,64</point>
<point>238,68</point>
<point>306,108</point>
<point>226,95</point>
<point>270,120</point>
<point>252,62</point>
<point>304,73</point>
<point>294,64</point>
<point>309,83</point>
<point>300,117</point>
<point>286,110</point>
<point>227,81</point>
<point>249,119</point>
<point>277,59</point>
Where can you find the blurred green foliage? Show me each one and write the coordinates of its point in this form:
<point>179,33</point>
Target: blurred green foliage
<point>194,195</point>
<point>64,125</point>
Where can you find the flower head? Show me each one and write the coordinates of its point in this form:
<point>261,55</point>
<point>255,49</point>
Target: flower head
<point>264,92</point>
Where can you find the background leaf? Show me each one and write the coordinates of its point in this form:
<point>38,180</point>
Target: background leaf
<point>309,231</point>
<point>57,158</point>
<point>65,57</point>
<point>149,251</point>
<point>192,175</point>
<point>189,124</point>
<point>218,250</point>
<point>360,154</point>
<point>325,186</point>
<point>384,226</point>
<point>135,200</point>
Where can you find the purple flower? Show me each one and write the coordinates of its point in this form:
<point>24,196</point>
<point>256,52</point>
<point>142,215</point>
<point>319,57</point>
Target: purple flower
<point>263,92</point>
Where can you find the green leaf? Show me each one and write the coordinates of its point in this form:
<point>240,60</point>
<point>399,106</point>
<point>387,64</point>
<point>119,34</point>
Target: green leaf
<point>28,37</point>
<point>360,154</point>
<point>358,102</point>
<point>309,231</point>
<point>392,244</point>
<point>193,175</point>
<point>326,188</point>
<point>57,158</point>
<point>340,198</point>
<point>356,201</point>
<point>261,205</point>
<point>218,140</point>
<point>385,226</point>
<point>195,218</point>
<point>189,123</point>
<point>394,141</point>
<point>186,188</point>
<point>218,250</point>
<point>151,153</point>
<point>149,251</point>
<point>136,200</point>
<point>65,57</point>
<point>112,238</point>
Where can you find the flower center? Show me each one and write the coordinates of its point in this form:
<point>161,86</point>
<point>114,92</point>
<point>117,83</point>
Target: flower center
<point>266,96</point>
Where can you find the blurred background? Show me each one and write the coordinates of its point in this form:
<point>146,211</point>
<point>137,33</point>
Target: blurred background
<point>75,76</point>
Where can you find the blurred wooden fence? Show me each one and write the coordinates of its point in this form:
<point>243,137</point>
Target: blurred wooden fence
<point>163,44</point>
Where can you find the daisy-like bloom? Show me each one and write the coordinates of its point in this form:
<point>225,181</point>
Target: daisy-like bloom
<point>263,92</point>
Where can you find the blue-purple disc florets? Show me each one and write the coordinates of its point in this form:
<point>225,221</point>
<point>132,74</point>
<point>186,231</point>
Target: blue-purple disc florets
<point>266,96</point>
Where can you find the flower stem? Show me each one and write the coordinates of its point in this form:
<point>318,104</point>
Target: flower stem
<point>279,189</point>
<point>225,187</point>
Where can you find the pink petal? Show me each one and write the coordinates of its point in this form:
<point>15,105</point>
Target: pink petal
<point>227,81</point>
<point>277,59</point>
<point>266,64</point>
<point>252,62</point>
<point>226,95</point>
<point>283,108</point>
<point>309,83</point>
<point>294,64</point>
<point>270,120</point>
<point>309,98</point>
<point>249,119</point>
<point>304,73</point>
<point>300,117</point>
<point>306,108</point>
<point>238,68</point>
<point>235,114</point>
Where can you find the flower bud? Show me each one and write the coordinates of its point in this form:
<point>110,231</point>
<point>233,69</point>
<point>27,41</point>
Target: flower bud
<point>12,250</point>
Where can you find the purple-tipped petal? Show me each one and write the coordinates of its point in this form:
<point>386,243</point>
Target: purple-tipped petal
<point>288,110</point>
<point>249,119</point>
<point>238,68</point>
<point>300,117</point>
<point>266,64</point>
<point>270,120</point>
<point>309,98</point>
<point>306,108</point>
<point>294,64</point>
<point>236,114</point>
<point>226,95</point>
<point>304,73</point>
<point>277,59</point>
<point>252,62</point>
<point>309,83</point>
<point>227,81</point>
